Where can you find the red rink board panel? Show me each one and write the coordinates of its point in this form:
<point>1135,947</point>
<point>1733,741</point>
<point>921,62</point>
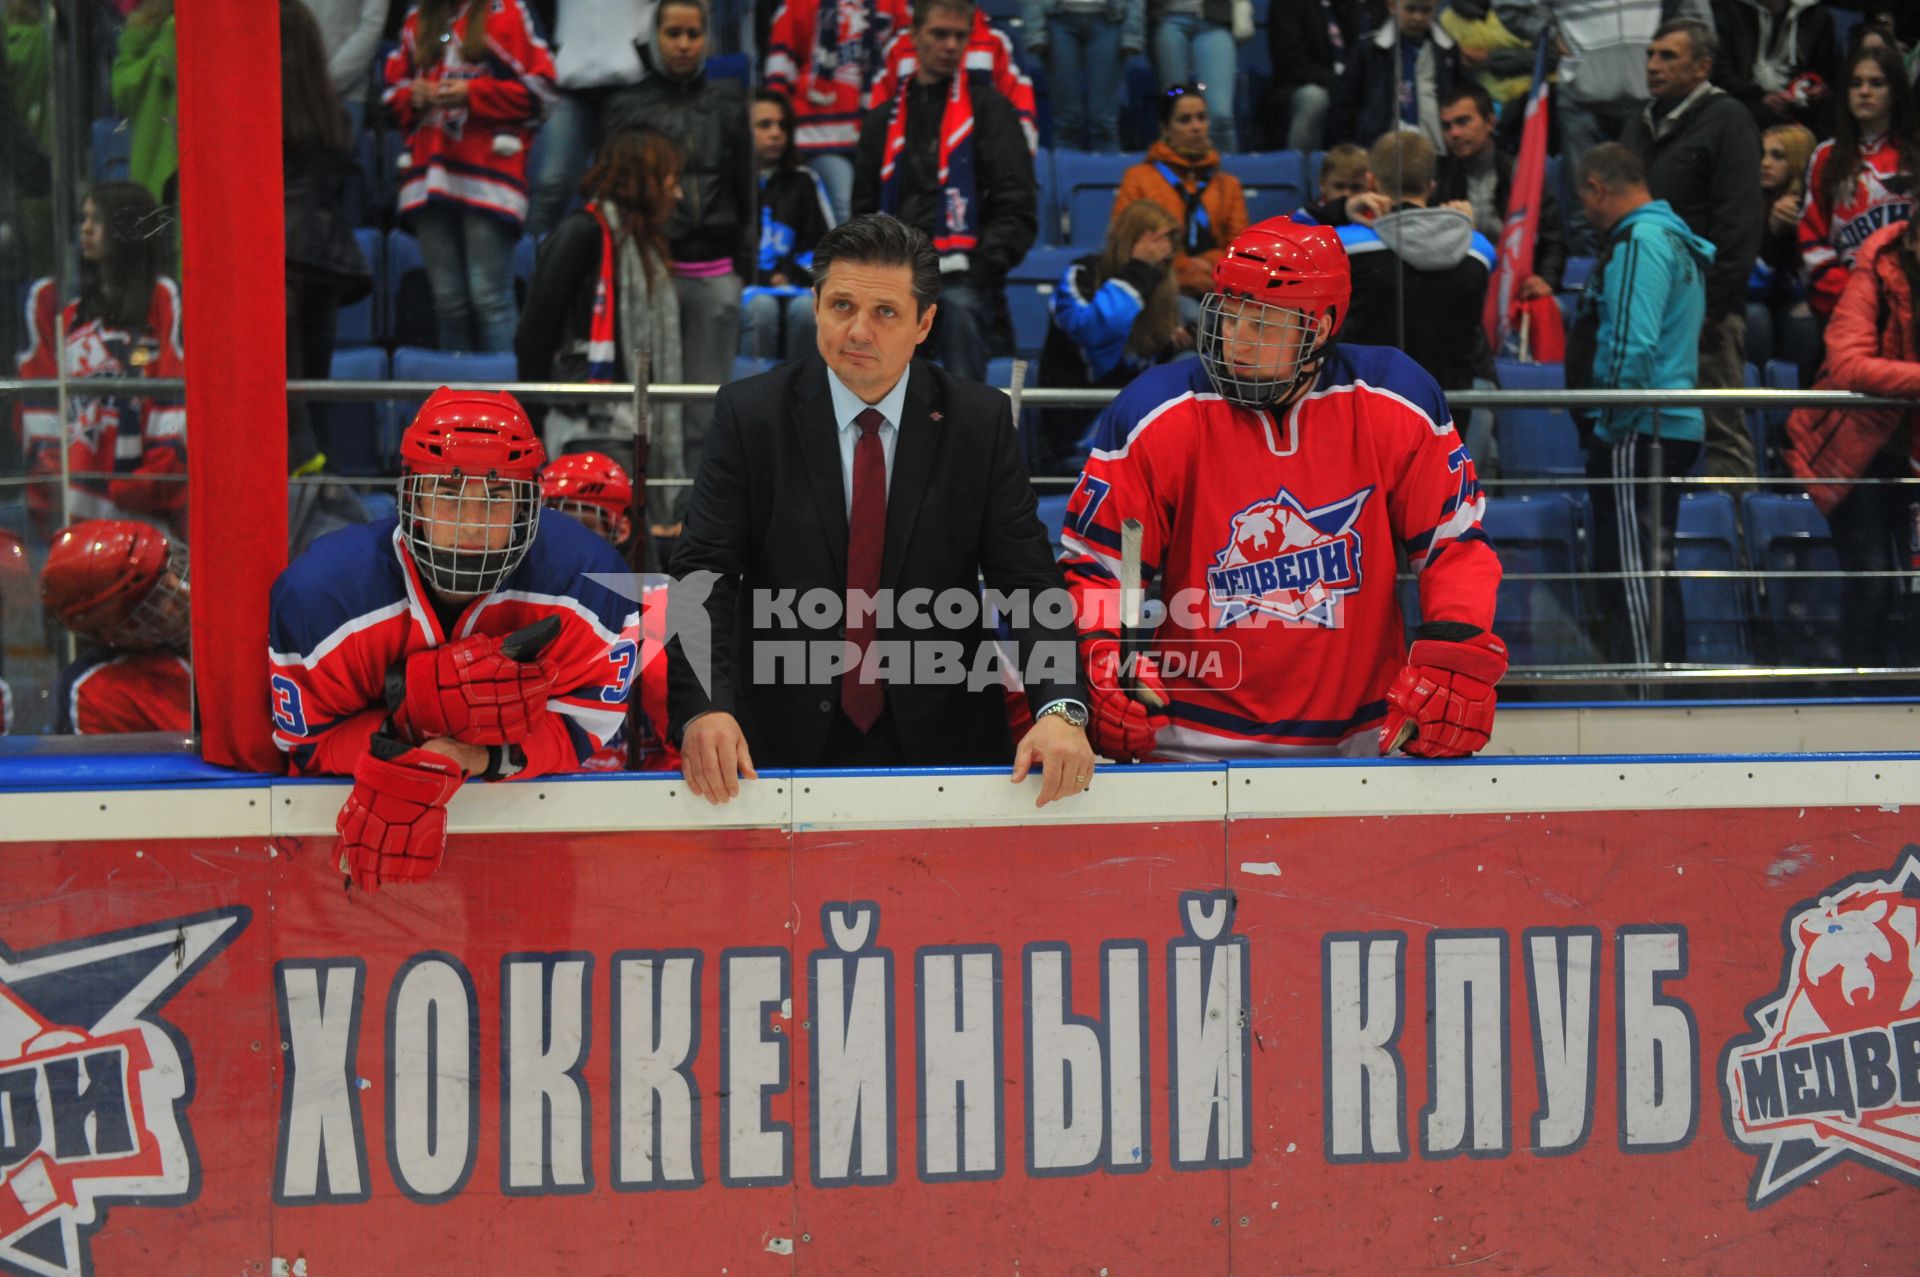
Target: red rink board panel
<point>1345,1044</point>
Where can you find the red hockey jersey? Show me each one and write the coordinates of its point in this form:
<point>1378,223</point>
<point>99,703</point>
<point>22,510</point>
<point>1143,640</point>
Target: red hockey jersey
<point>824,54</point>
<point>989,56</point>
<point>474,155</point>
<point>353,604</point>
<point>1830,235</point>
<point>108,692</point>
<point>656,753</point>
<point>1275,538</point>
<point>128,454</point>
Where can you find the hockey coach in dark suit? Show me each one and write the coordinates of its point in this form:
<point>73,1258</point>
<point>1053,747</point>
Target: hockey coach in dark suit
<point>848,506</point>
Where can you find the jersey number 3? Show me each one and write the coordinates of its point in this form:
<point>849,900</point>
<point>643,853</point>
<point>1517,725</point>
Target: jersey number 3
<point>288,716</point>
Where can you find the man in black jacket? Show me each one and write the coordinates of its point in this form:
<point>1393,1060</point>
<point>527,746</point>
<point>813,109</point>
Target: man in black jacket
<point>1309,43</point>
<point>1780,59</point>
<point>1702,155</point>
<point>972,191</point>
<point>1474,169</point>
<point>838,490</point>
<point>1396,78</point>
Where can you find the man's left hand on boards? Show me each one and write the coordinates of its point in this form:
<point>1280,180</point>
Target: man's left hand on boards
<point>1063,753</point>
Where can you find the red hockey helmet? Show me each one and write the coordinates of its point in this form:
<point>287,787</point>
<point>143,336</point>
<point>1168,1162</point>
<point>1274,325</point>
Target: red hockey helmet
<point>469,489</point>
<point>118,582</point>
<point>1272,289</point>
<point>593,488</point>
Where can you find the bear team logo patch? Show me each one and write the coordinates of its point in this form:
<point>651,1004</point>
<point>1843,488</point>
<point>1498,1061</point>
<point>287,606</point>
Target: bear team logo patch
<point>1834,1068</point>
<point>1288,562</point>
<point>93,1086</point>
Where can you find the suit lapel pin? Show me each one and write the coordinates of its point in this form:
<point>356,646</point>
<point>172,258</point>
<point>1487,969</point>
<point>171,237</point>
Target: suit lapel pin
<point>934,416</point>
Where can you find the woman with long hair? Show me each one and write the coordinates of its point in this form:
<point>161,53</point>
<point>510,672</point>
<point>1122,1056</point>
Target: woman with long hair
<point>1779,323</point>
<point>127,453</point>
<point>468,85</point>
<point>1115,313</point>
<point>1862,178</point>
<point>603,290</point>
<point>795,211</point>
<point>325,268</point>
<point>1182,174</point>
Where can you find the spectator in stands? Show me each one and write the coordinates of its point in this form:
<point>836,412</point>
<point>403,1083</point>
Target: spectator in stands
<point>26,175</point>
<point>603,290</point>
<point>127,453</point>
<point>596,50</point>
<point>147,92</point>
<point>1477,171</point>
<point>1602,50</point>
<point>467,85</point>
<point>1702,156</point>
<point>1497,60</point>
<point>1397,78</point>
<point>1343,173</point>
<point>1873,348</point>
<point>1308,44</point>
<point>712,237</point>
<point>350,33</point>
<point>1637,327</point>
<point>1416,264</point>
<point>1182,174</point>
<point>325,267</point>
<point>1862,178</point>
<point>1194,43</point>
<point>971,191</point>
<point>1115,313</point>
<point>121,587</point>
<point>1778,57</point>
<point>1085,45</point>
<point>988,59</point>
<point>1779,323</point>
<point>825,55</point>
<point>795,212</point>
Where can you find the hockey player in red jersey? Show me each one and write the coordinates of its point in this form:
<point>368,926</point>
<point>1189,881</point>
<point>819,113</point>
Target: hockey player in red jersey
<point>596,490</point>
<point>1278,478</point>
<point>121,586</point>
<point>475,636</point>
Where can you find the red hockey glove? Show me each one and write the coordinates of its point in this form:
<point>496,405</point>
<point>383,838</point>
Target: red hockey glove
<point>1445,694</point>
<point>393,827</point>
<point>1122,727</point>
<point>481,690</point>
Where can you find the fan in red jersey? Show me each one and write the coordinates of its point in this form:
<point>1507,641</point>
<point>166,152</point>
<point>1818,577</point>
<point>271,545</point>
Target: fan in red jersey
<point>473,636</point>
<point>1862,178</point>
<point>121,586</point>
<point>1277,479</point>
<point>596,490</point>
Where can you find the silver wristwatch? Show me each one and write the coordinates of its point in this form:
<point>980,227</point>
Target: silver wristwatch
<point>1073,711</point>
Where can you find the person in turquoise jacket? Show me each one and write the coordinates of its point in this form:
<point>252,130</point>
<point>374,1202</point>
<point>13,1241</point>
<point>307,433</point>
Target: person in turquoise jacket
<point>1637,327</point>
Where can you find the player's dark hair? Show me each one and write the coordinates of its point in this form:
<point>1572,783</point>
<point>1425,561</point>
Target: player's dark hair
<point>875,239</point>
<point>923,9</point>
<point>1616,167</point>
<point>789,158</point>
<point>311,117</point>
<point>118,289</point>
<point>1843,162</point>
<point>1481,99</point>
<point>1700,37</point>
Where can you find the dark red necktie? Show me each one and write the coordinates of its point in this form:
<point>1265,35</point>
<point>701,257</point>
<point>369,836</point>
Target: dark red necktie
<point>866,539</point>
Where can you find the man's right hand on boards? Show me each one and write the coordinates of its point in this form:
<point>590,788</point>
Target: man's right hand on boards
<point>714,757</point>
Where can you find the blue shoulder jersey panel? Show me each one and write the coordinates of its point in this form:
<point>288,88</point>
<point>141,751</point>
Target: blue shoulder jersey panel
<point>345,574</point>
<point>1151,390</point>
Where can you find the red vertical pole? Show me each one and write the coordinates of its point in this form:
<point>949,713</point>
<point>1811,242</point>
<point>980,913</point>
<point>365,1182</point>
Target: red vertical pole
<point>233,301</point>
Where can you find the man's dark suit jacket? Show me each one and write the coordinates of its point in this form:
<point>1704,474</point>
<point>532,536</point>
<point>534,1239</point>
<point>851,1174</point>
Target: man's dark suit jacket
<point>769,513</point>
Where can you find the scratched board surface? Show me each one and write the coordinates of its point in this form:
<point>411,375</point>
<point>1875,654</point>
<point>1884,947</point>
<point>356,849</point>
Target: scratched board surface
<point>1674,1040</point>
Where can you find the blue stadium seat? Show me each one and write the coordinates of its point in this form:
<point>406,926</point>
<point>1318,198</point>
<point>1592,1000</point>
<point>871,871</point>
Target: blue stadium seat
<point>1045,265</point>
<point>112,150</point>
<point>1316,160</point>
<point>1000,372</point>
<point>1087,182</point>
<point>1575,278</point>
<point>352,434</point>
<point>1053,513</point>
<point>355,325</point>
<point>1046,197</point>
<point>1275,181</point>
<point>1027,305</point>
<point>1543,622</point>
<point>408,320</point>
<point>411,363</point>
<point>1781,374</point>
<point>1802,617</point>
<point>730,66</point>
<point>749,366</point>
<point>1707,538</point>
<point>1537,442</point>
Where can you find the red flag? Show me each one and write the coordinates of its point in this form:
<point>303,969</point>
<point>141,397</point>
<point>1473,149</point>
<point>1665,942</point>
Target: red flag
<point>1522,227</point>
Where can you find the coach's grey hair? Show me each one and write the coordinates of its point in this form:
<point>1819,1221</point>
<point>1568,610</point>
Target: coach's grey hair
<point>1700,37</point>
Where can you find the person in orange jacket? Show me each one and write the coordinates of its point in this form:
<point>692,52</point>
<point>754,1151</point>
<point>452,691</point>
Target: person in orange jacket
<point>1182,174</point>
